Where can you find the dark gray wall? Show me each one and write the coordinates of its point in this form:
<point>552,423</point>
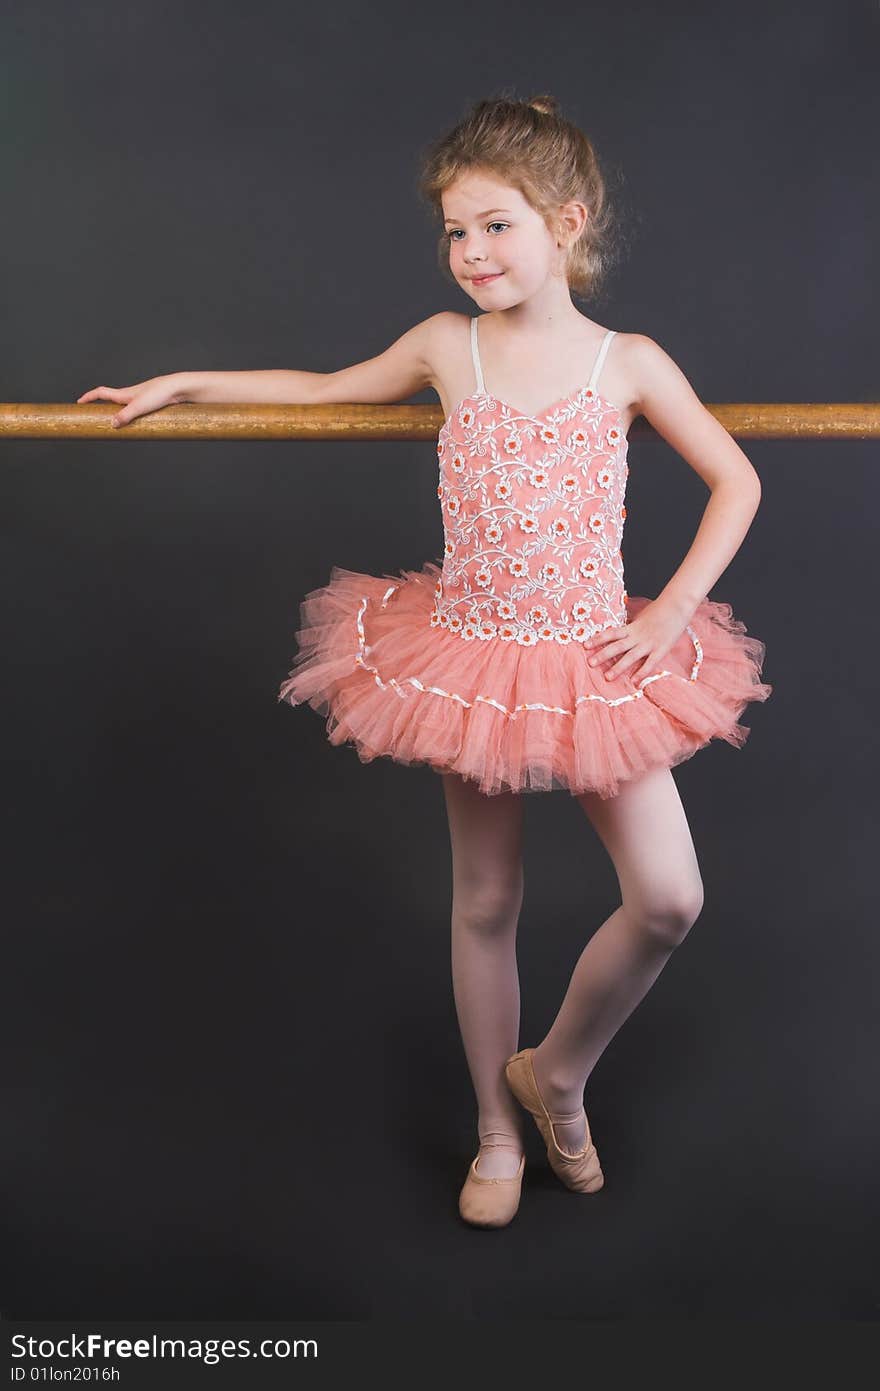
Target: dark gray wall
<point>230,941</point>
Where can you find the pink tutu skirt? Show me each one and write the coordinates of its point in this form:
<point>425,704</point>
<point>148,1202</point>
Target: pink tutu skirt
<point>511,717</point>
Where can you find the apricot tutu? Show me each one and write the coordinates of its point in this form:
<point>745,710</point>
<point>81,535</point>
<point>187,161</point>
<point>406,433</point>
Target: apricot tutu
<point>511,717</point>
<point>482,667</point>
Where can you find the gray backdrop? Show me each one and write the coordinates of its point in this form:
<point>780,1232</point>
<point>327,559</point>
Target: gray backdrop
<point>217,925</point>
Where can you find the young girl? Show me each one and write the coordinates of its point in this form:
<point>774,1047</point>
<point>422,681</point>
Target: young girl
<point>523,664</point>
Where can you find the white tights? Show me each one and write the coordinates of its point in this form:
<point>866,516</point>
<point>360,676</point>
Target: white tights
<point>645,831</point>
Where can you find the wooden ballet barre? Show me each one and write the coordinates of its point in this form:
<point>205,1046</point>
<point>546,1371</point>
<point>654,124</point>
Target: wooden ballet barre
<point>67,420</point>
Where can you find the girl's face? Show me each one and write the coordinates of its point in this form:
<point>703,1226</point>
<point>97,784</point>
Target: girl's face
<point>493,231</point>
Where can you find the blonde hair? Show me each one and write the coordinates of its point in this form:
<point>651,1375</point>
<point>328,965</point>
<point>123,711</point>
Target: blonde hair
<point>532,147</point>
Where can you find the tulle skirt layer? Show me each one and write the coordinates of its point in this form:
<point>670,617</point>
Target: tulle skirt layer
<point>510,717</point>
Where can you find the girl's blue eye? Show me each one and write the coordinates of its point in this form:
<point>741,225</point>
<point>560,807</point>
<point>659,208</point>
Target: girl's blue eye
<point>452,236</point>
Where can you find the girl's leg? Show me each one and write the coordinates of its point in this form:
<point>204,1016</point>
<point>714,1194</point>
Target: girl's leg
<point>486,838</point>
<point>646,833</point>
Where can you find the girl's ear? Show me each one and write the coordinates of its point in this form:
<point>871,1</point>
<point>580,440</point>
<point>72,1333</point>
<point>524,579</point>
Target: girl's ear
<point>572,218</point>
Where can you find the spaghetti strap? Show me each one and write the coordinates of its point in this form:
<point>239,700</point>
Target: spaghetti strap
<point>475,354</point>
<point>600,358</point>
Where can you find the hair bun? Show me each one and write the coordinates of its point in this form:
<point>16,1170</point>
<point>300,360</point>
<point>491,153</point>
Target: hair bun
<point>547,105</point>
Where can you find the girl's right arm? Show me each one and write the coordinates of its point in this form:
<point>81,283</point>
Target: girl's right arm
<point>403,369</point>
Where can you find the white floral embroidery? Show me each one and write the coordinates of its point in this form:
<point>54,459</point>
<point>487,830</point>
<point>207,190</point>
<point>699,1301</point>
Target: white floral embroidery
<point>533,510</point>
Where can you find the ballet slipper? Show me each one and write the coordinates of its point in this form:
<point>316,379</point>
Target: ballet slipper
<point>490,1202</point>
<point>580,1172</point>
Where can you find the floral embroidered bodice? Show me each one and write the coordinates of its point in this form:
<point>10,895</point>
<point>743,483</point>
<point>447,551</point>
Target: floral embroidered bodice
<point>533,516</point>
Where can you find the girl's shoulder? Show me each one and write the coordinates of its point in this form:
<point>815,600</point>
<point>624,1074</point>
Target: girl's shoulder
<point>638,371</point>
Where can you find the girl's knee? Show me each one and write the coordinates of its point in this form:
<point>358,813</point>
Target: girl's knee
<point>488,906</point>
<point>669,913</point>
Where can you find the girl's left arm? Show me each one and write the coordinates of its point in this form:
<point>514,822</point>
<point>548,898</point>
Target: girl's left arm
<point>668,401</point>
